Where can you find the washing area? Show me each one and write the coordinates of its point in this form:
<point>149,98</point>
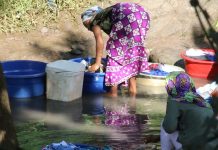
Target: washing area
<point>93,82</point>
<point>153,82</point>
<point>147,82</point>
<point>67,80</point>
<point>67,113</point>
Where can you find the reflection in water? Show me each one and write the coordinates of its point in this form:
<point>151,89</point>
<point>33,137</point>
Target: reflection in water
<point>71,110</point>
<point>93,105</point>
<point>120,115</point>
<point>122,122</point>
<point>19,105</point>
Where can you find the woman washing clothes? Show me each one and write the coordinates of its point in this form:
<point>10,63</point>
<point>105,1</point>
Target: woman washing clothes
<point>126,25</point>
<point>187,115</point>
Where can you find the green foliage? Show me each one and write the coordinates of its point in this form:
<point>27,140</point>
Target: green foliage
<point>24,15</point>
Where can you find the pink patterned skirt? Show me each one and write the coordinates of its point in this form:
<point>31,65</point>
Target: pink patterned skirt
<point>127,56</point>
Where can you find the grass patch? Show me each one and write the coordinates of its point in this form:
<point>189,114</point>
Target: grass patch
<point>25,15</point>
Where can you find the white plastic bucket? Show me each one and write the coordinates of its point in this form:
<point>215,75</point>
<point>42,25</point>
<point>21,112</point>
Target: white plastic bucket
<point>64,80</point>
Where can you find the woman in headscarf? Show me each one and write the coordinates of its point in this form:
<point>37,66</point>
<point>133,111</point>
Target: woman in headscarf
<point>187,114</point>
<point>126,25</point>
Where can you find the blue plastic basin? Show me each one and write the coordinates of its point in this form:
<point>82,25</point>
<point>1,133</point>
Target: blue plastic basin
<point>93,82</point>
<point>24,78</point>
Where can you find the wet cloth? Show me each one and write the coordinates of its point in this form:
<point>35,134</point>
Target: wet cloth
<point>206,90</point>
<point>127,25</point>
<point>186,112</point>
<point>60,146</point>
<point>69,146</point>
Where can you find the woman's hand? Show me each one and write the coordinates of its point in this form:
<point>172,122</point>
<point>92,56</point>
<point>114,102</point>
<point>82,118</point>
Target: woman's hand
<point>214,94</point>
<point>93,67</point>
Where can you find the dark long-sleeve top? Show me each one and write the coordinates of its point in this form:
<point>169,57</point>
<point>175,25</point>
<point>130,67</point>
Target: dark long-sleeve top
<point>190,120</point>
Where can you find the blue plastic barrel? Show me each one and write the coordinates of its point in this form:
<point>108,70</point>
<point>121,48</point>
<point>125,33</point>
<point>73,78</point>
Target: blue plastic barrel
<point>93,82</point>
<point>24,78</point>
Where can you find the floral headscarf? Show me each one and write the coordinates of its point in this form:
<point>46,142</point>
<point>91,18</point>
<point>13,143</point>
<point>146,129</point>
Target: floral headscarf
<point>180,87</point>
<point>89,13</point>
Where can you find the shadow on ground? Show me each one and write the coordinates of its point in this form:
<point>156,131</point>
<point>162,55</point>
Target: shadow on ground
<point>204,35</point>
<point>207,31</point>
<point>75,44</point>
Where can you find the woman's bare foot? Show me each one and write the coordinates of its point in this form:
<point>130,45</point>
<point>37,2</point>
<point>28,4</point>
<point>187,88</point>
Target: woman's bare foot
<point>111,95</point>
<point>113,92</point>
<point>97,120</point>
<point>132,87</point>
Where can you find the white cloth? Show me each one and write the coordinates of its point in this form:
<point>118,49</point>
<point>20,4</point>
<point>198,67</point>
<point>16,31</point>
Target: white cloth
<point>195,52</point>
<point>169,141</point>
<point>206,90</point>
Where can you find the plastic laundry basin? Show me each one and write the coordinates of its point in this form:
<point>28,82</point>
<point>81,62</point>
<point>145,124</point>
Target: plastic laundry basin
<point>154,84</point>
<point>24,78</point>
<point>93,82</point>
<point>200,68</point>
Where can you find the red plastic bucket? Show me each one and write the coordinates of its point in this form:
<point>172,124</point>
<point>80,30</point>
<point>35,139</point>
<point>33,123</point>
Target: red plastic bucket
<point>200,68</point>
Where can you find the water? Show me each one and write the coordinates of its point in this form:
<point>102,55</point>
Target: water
<point>86,117</point>
<point>40,122</point>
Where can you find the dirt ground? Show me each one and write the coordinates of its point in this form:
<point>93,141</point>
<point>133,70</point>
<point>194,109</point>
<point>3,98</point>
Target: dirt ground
<point>44,44</point>
<point>64,42</point>
<point>171,31</point>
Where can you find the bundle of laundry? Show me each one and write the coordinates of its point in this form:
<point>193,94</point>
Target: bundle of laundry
<point>69,146</point>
